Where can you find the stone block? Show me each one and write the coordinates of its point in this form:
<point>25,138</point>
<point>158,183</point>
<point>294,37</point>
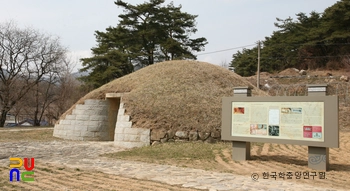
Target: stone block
<point>104,136</point>
<point>95,102</point>
<point>157,134</point>
<point>78,112</point>
<point>154,143</point>
<point>129,130</point>
<point>87,134</point>
<point>120,130</point>
<point>56,132</point>
<point>70,117</point>
<point>121,111</point>
<point>114,95</point>
<point>145,138</point>
<point>58,127</point>
<point>63,133</point>
<point>119,137</point>
<point>83,117</point>
<point>96,112</point>
<point>143,131</point>
<point>65,122</point>
<point>193,136</point>
<point>210,140</point>
<point>216,134</point>
<point>123,124</point>
<point>68,127</point>
<point>171,140</point>
<point>123,118</point>
<point>79,122</point>
<point>97,133</point>
<point>171,134</point>
<point>98,118</point>
<point>92,123</point>
<point>203,135</point>
<point>76,133</point>
<point>94,128</point>
<point>131,138</point>
<point>164,140</point>
<point>344,78</point>
<point>182,134</point>
<point>80,128</point>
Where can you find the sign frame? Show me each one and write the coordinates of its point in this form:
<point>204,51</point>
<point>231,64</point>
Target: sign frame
<point>331,120</point>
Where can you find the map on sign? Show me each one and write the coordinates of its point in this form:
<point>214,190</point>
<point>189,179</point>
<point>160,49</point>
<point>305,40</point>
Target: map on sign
<point>281,120</point>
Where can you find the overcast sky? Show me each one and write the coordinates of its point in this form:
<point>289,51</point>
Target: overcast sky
<point>226,24</point>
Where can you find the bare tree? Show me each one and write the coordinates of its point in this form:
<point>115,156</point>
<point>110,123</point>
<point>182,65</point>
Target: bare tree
<point>69,89</point>
<point>26,57</point>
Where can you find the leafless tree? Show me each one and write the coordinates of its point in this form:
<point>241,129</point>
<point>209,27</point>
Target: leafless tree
<point>26,57</point>
<point>69,92</point>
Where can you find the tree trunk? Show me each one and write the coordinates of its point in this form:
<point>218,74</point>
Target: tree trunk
<point>3,118</point>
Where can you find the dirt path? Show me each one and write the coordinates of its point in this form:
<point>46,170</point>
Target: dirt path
<point>61,165</point>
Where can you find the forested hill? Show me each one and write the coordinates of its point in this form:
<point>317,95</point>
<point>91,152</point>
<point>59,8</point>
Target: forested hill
<point>311,41</point>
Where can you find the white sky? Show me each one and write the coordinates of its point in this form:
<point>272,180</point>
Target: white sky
<point>225,23</point>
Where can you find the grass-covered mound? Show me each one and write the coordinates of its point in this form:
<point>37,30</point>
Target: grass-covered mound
<point>179,95</point>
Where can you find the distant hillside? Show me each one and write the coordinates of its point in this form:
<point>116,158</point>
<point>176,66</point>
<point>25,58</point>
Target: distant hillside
<point>79,74</point>
<point>311,41</point>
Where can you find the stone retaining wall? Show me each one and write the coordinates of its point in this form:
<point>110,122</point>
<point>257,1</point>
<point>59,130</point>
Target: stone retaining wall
<point>105,120</point>
<point>162,136</point>
<point>88,121</point>
<point>128,137</point>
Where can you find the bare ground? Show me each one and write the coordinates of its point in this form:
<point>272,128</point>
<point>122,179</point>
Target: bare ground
<point>54,177</point>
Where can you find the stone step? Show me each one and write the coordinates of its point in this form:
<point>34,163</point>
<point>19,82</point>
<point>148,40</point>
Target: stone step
<point>95,111</point>
<point>123,118</point>
<point>90,107</point>
<point>123,124</point>
<point>121,111</point>
<point>95,102</point>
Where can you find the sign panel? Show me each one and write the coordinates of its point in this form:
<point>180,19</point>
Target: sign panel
<point>302,120</point>
<point>279,120</point>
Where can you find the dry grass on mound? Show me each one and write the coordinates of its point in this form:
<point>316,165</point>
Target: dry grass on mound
<point>179,95</point>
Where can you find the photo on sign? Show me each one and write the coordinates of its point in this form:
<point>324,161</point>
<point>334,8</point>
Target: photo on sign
<point>258,129</point>
<point>238,110</point>
<point>262,129</point>
<point>274,130</point>
<point>253,129</point>
<point>312,132</point>
<point>290,110</point>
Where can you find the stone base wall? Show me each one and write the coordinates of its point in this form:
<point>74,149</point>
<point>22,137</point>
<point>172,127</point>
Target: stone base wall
<point>163,136</point>
<point>105,120</point>
<point>88,121</point>
<point>128,137</point>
